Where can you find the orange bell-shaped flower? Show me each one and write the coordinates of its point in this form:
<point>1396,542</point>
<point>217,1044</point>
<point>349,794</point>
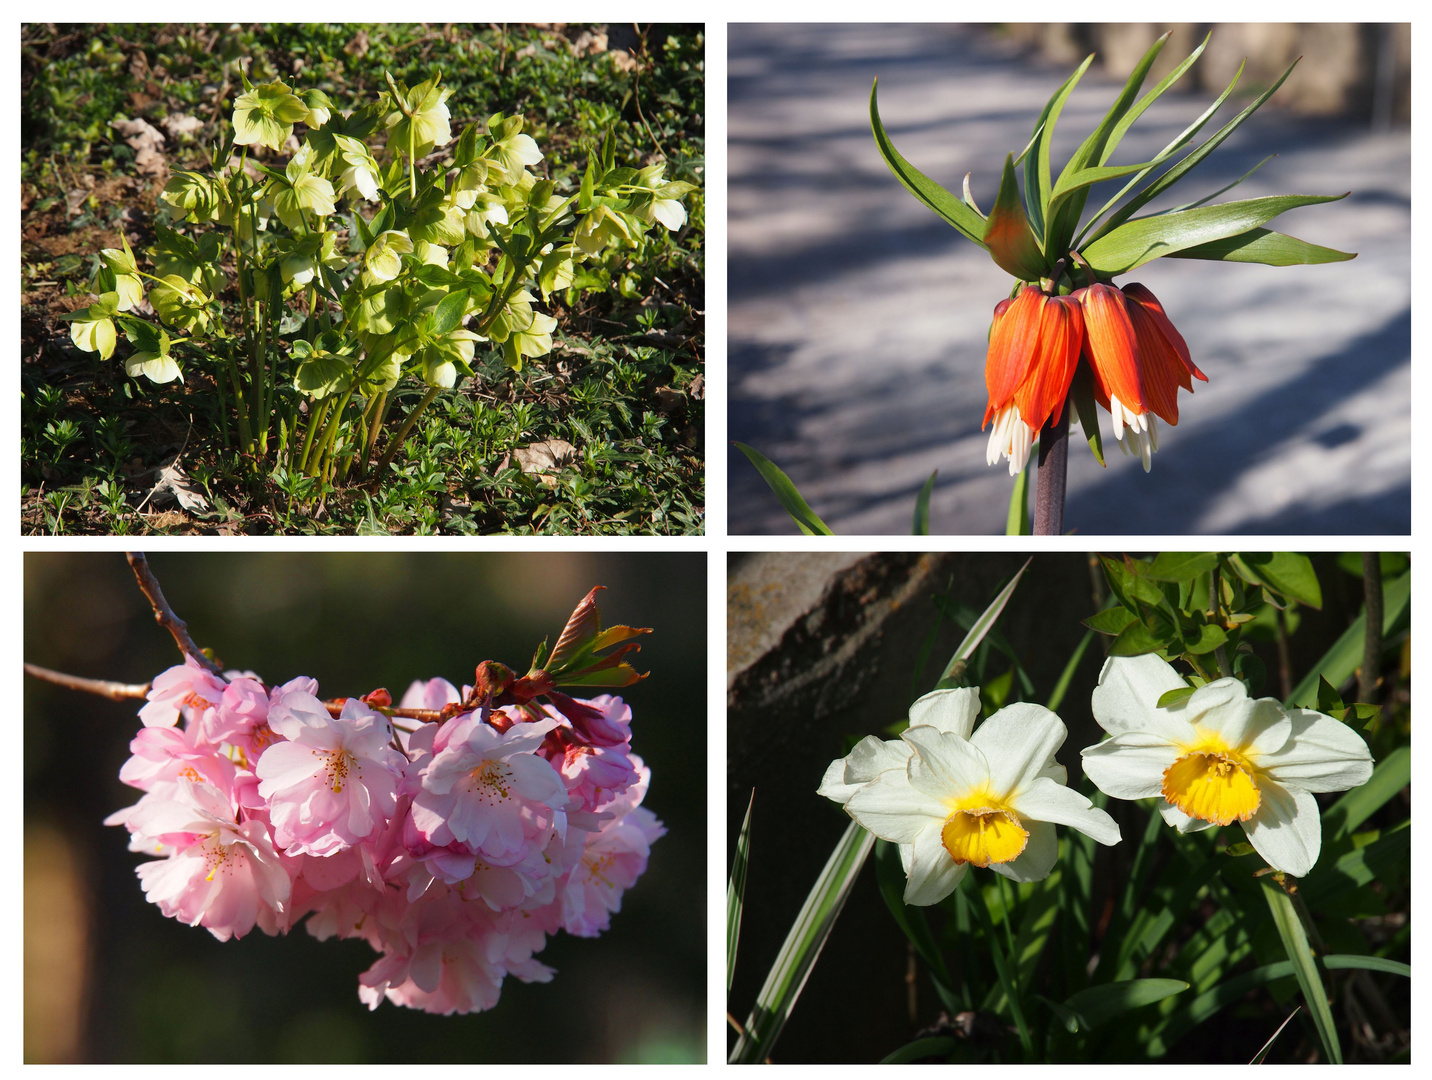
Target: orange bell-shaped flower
<point>1139,361</point>
<point>1033,350</point>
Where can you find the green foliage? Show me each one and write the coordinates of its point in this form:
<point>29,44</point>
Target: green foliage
<point>628,402</point>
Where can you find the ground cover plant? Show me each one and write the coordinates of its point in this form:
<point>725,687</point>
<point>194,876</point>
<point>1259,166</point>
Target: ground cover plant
<point>1216,869</point>
<point>362,279</point>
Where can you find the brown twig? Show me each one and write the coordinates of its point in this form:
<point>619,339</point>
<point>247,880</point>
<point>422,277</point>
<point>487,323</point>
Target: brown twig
<point>106,688</point>
<point>164,614</point>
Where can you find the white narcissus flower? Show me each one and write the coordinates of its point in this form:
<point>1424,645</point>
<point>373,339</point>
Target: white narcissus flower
<point>955,796</point>
<point>1218,756</point>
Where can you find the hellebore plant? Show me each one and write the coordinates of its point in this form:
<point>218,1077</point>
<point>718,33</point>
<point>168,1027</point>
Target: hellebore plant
<point>1066,332</point>
<point>1117,917</point>
<point>360,259</point>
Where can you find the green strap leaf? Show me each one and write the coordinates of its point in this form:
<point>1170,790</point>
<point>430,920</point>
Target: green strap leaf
<point>786,492</point>
<point>1266,247</point>
<point>1098,1005</point>
<point>1295,944</point>
<point>1086,408</point>
<point>1007,234</point>
<point>1036,165</point>
<point>921,526</point>
<point>982,625</point>
<point>934,1046</point>
<point>1137,242</point>
<point>1340,961</point>
<point>1122,127</point>
<point>1017,522</point>
<point>1063,213</point>
<point>1179,171</point>
<point>802,947</point>
<point>1340,661</point>
<point>1392,774</point>
<point>953,210</point>
<point>736,892</point>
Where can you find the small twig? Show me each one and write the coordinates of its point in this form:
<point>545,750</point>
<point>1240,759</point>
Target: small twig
<point>105,688</point>
<point>164,614</point>
<point>636,92</point>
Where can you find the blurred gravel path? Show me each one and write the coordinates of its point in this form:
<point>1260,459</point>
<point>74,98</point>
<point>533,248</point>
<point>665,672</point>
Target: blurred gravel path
<point>858,318</point>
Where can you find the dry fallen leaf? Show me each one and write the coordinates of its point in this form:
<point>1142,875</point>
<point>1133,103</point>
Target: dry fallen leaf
<point>146,142</point>
<point>697,388</point>
<point>180,124</point>
<point>173,483</point>
<point>544,457</point>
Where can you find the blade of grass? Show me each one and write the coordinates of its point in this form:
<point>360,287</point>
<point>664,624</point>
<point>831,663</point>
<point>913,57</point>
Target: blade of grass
<point>1056,696</point>
<point>1295,944</point>
<point>922,507</point>
<point>786,492</point>
<point>1392,774</point>
<point>802,947</point>
<point>736,892</point>
<point>1263,1053</point>
<point>982,625</point>
<point>1001,966</point>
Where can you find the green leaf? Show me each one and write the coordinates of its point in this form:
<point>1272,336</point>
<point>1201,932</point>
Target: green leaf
<point>1098,1005</point>
<point>934,1046</point>
<point>1056,696</point>
<point>890,875</point>
<point>1174,696</point>
<point>1007,234</point>
<point>921,526</point>
<point>1001,964</point>
<point>1036,165</point>
<point>1392,774</point>
<point>1266,247</point>
<point>1263,1053</point>
<point>736,892</point>
<point>1081,392</point>
<point>1342,961</point>
<point>449,312</point>
<point>1111,620</point>
<point>1137,639</point>
<point>1181,565</point>
<point>1328,700</point>
<point>1137,242</point>
<point>802,947</point>
<point>1016,520</point>
<point>1204,639</point>
<point>1127,121</point>
<point>953,210</point>
<point>1064,210</point>
<point>1340,661</point>
<point>982,625</point>
<point>786,492</point>
<point>1295,944</point>
<point>1285,572</point>
<point>1184,167</point>
<point>324,374</point>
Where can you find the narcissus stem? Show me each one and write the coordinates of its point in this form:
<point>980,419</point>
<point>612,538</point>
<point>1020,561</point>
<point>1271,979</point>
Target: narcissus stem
<point>1053,470</point>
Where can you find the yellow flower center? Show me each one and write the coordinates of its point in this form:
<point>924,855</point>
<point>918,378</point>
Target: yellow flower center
<point>1212,782</point>
<point>983,835</point>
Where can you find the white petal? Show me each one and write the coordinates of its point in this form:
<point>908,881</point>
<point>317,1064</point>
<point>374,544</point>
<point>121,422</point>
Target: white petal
<point>944,766</point>
<point>1224,706</point>
<point>893,810</point>
<point>866,760</point>
<point>1018,742</point>
<point>1129,766</point>
<point>1045,800</point>
<point>1128,693</point>
<point>933,874</point>
<point>1286,829</point>
<point>954,710</point>
<point>1323,754</point>
<point>669,212</point>
<point>1038,857</point>
<point>1172,815</point>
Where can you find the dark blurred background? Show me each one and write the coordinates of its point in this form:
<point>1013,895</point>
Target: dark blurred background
<point>823,650</point>
<point>109,979</point>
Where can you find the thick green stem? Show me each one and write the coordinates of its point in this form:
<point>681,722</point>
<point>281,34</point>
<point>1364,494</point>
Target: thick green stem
<point>377,410</point>
<point>315,422</point>
<point>408,423</point>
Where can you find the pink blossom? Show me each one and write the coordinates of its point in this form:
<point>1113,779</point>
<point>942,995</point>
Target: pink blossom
<point>600,721</point>
<point>486,789</point>
<point>163,754</point>
<point>433,694</point>
<point>612,861</point>
<point>188,687</point>
<point>335,781</point>
<point>222,874</point>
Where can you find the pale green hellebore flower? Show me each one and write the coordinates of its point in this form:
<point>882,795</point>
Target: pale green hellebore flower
<point>1218,756</point>
<point>92,328</point>
<point>957,796</point>
<point>266,114</point>
<point>383,259</point>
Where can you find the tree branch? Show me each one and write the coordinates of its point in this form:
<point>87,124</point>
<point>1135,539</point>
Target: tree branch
<point>164,614</point>
<point>106,688</point>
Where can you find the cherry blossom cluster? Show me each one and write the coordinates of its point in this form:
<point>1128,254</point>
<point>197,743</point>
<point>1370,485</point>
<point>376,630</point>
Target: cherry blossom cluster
<point>453,849</point>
